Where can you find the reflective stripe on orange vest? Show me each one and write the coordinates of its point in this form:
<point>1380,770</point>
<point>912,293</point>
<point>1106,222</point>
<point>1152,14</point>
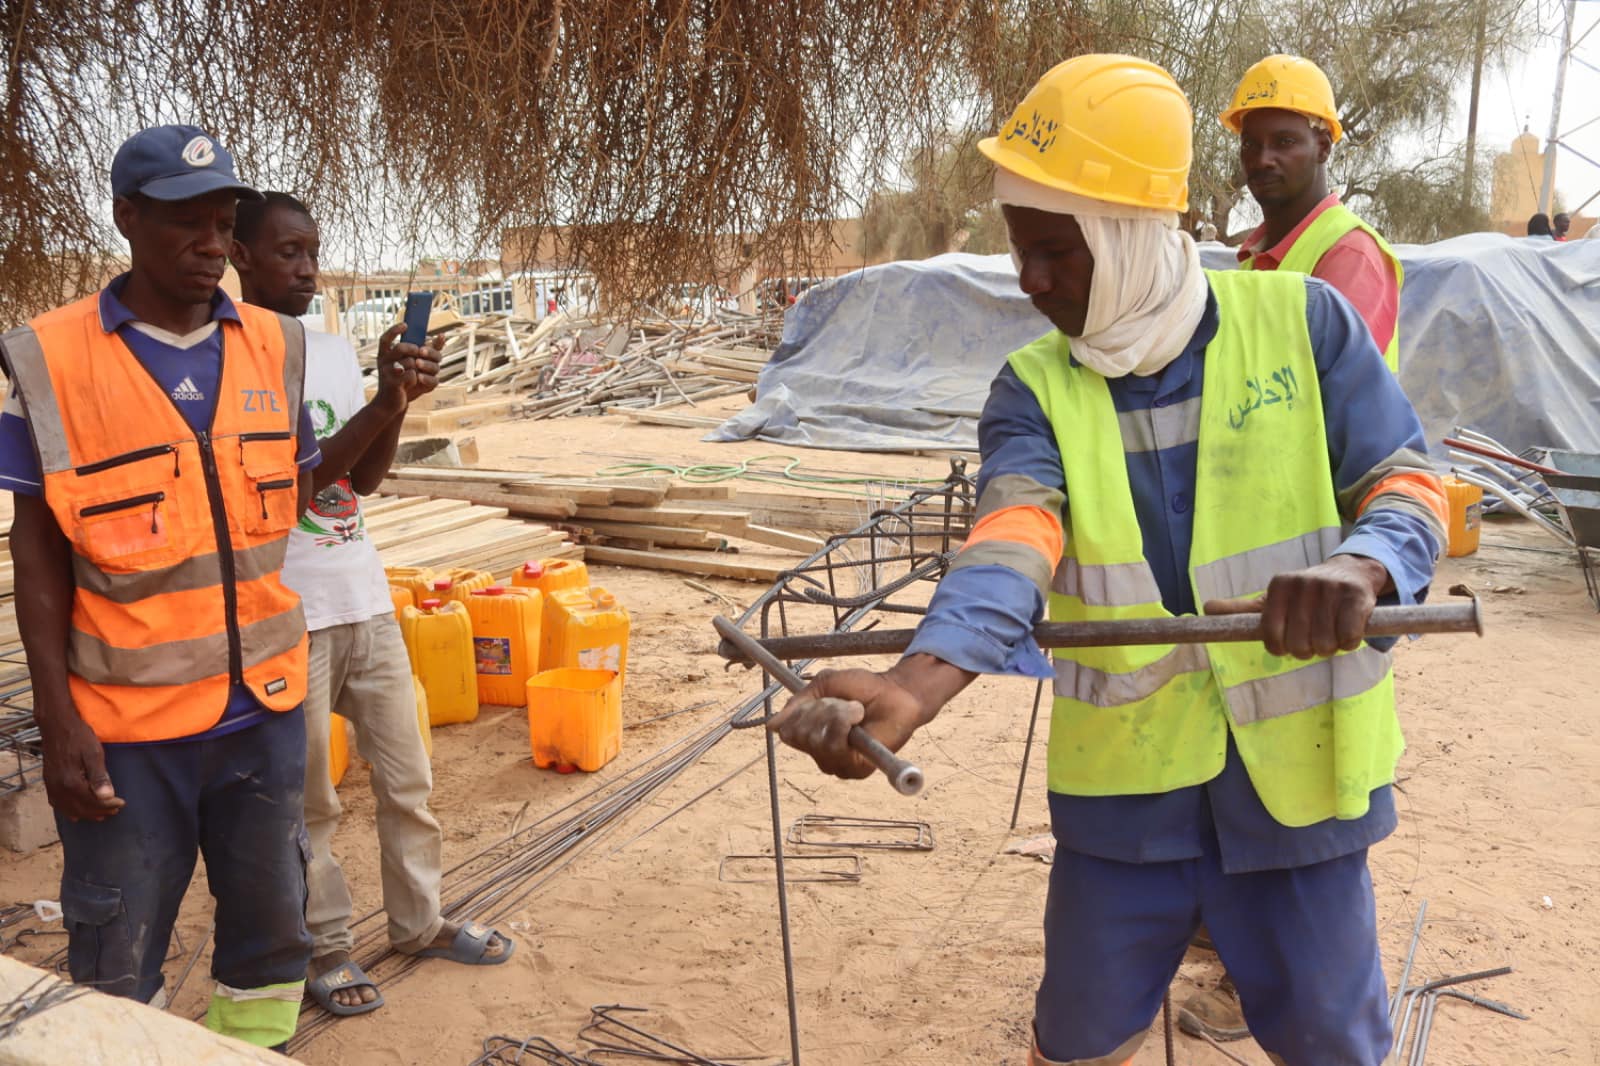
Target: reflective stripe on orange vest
<point>178,536</point>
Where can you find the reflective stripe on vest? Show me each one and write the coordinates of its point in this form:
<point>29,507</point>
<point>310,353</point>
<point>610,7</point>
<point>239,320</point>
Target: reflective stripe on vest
<point>1316,737</point>
<point>1325,231</point>
<point>170,528</point>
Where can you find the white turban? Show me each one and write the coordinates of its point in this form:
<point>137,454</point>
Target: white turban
<point>1148,292</point>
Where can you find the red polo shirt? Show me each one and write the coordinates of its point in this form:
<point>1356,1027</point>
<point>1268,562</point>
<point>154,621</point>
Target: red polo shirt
<point>1355,266</point>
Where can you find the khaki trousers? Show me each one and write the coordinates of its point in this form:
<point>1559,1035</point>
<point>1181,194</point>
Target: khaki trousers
<point>362,672</point>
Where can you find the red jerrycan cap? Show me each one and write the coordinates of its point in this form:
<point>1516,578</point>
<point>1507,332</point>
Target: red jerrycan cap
<point>431,605</point>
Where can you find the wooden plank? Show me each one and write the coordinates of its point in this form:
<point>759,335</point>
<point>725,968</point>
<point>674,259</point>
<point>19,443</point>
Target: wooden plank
<point>738,356</point>
<point>730,523</point>
<point>517,504</point>
<point>447,481</point>
<point>378,505</point>
<point>631,491</point>
<point>659,536</point>
<point>704,565</point>
<point>701,492</point>
<point>432,423</point>
<point>487,544</point>
<point>441,397</point>
<point>667,418</point>
<point>797,513</point>
<point>747,376</point>
<point>781,538</point>
<point>463,516</point>
<point>423,508</point>
<point>511,551</point>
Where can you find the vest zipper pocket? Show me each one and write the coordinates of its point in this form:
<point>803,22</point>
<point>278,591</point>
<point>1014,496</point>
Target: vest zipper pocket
<point>154,499</point>
<point>129,457</point>
<point>246,438</point>
<point>264,487</point>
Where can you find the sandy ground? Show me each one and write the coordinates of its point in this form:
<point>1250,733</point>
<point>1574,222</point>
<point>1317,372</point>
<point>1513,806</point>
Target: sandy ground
<point>933,958</point>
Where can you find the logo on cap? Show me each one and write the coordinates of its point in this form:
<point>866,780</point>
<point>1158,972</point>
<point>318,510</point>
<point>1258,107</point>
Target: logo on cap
<point>199,153</point>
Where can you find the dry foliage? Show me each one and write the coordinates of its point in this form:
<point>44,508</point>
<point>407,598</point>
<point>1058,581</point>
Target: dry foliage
<point>1396,68</point>
<point>656,137</point>
<point>649,132</point>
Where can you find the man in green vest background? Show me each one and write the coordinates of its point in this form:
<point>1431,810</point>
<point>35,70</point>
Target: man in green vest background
<point>1287,121</point>
<point>1178,440</point>
<point>1284,114</point>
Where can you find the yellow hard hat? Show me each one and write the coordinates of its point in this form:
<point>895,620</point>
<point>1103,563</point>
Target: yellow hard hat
<point>1107,127</point>
<point>1288,83</point>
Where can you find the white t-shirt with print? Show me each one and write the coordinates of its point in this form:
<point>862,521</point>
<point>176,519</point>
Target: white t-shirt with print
<point>331,563</point>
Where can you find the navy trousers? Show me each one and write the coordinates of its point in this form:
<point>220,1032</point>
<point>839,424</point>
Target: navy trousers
<point>237,800</point>
<point>1301,946</point>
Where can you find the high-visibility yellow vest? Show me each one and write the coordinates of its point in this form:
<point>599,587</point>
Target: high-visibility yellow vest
<point>1325,232</point>
<point>1316,737</point>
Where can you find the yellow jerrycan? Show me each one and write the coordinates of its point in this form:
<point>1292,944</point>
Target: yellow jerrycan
<point>338,748</point>
<point>587,629</point>
<point>438,637</point>
<point>417,579</point>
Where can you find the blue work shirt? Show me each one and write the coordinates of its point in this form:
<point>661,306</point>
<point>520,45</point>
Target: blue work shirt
<point>191,376</point>
<point>980,617</point>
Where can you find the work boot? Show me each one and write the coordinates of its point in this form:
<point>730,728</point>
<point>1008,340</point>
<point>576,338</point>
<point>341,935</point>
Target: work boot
<point>1215,1013</point>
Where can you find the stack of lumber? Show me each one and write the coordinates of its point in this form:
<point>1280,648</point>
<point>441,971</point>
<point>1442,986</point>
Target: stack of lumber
<point>449,408</point>
<point>651,522</point>
<point>565,366</point>
<point>447,533</point>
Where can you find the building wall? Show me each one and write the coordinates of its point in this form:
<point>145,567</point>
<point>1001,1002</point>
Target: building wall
<point>1518,175</point>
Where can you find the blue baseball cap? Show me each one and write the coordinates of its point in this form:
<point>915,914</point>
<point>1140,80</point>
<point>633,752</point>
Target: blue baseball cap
<point>174,163</point>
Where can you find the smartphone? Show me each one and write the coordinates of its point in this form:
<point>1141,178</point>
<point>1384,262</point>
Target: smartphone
<point>418,306</point>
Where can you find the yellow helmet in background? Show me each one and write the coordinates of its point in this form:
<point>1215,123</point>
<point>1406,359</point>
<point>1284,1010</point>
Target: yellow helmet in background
<point>1288,83</point>
<point>1108,127</point>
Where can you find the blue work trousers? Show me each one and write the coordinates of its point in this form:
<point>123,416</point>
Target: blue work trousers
<point>1301,946</point>
<point>236,799</point>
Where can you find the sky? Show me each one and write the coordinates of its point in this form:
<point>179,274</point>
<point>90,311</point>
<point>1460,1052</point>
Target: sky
<point>1521,96</point>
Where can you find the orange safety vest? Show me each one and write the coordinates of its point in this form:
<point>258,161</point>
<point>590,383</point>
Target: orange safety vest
<point>178,537</point>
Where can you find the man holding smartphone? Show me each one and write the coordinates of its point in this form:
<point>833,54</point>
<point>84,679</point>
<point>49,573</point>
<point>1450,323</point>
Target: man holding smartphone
<point>358,663</point>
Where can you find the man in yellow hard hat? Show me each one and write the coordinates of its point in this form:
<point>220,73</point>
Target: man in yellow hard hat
<point>1284,114</point>
<point>1178,439</point>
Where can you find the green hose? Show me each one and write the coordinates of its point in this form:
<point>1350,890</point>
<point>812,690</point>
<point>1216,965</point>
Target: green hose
<point>749,470</point>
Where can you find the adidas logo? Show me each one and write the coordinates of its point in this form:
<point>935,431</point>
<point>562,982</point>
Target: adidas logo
<point>187,390</point>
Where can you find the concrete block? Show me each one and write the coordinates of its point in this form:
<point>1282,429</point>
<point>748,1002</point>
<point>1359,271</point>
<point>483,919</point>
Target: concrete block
<point>26,820</point>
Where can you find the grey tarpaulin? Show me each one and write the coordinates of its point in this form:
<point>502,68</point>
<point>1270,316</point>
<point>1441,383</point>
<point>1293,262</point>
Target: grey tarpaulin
<point>1498,333</point>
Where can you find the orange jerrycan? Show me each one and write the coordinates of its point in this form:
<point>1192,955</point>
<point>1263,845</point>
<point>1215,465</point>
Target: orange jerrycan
<point>401,597</point>
<point>338,748</point>
<point>587,629</point>
<point>1466,511</point>
<point>505,640</point>
<point>418,579</point>
<point>552,575</point>
<point>439,638</point>
<point>575,718</point>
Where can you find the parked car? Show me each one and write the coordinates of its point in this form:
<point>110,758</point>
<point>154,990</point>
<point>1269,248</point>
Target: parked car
<point>366,321</point>
<point>314,318</point>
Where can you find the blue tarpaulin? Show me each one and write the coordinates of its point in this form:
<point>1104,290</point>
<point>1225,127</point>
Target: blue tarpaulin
<point>1498,333</point>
